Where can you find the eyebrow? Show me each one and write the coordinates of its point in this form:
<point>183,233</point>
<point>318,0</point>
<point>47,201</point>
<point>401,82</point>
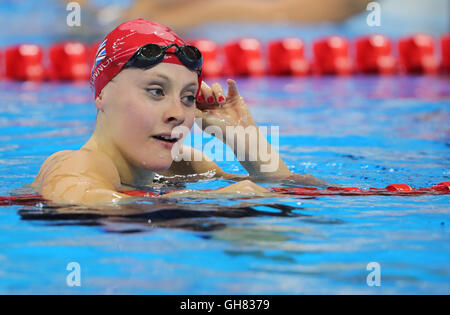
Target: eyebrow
<point>166,78</point>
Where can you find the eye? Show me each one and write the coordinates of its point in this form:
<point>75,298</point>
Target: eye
<point>155,92</point>
<point>190,100</point>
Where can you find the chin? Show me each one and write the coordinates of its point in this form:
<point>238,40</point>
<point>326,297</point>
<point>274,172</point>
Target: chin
<point>151,160</point>
<point>157,166</point>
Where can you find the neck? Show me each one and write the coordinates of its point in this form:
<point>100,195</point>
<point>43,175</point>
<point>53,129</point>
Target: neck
<point>129,173</point>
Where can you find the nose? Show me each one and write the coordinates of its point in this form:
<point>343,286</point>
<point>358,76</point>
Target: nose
<point>174,113</point>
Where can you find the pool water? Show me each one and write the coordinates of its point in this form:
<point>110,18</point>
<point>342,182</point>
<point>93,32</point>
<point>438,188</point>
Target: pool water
<point>358,131</point>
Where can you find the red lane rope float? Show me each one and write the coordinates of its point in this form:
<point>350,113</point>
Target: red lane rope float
<point>390,190</point>
<point>20,199</point>
<point>246,56</point>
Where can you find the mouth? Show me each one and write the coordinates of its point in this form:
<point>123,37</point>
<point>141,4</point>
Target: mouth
<point>166,138</point>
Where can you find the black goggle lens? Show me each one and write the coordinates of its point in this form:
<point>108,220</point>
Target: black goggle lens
<point>153,53</point>
<point>191,52</point>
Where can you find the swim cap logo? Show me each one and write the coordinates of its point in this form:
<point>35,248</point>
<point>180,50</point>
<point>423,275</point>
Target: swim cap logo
<point>99,55</point>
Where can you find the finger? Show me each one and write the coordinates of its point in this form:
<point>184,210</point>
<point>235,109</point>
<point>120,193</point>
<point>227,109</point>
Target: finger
<point>207,94</point>
<point>201,95</point>
<point>204,85</point>
<point>206,90</point>
<point>218,93</point>
<point>201,99</point>
<point>232,89</point>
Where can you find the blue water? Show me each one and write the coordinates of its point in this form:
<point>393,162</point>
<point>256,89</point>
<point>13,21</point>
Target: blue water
<point>356,131</point>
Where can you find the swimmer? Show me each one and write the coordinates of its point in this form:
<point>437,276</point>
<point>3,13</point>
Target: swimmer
<point>147,82</point>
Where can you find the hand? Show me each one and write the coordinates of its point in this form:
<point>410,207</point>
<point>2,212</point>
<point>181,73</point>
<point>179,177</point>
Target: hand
<point>305,179</point>
<point>293,179</point>
<point>221,110</point>
<point>244,187</point>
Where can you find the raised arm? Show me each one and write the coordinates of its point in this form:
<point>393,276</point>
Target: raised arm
<point>230,117</point>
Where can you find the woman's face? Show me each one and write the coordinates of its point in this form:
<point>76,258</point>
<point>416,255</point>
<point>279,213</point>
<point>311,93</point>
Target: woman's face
<point>139,106</point>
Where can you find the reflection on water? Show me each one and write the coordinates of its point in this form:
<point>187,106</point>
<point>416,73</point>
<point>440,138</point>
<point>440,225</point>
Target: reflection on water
<point>196,215</point>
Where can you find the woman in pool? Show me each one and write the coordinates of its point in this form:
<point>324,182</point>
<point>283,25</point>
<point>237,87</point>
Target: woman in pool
<point>143,94</point>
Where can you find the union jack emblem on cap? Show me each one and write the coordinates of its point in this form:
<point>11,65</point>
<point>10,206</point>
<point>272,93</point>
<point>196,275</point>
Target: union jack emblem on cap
<point>101,53</point>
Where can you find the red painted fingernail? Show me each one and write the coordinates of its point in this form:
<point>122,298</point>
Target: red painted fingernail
<point>210,100</point>
<point>200,98</point>
<point>221,99</point>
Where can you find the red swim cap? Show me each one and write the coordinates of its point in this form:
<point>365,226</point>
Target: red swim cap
<point>119,45</point>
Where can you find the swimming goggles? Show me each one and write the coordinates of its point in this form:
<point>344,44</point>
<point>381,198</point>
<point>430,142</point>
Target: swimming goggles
<point>152,54</point>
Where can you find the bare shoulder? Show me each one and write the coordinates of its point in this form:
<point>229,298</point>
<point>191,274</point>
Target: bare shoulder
<point>77,165</point>
<point>48,164</point>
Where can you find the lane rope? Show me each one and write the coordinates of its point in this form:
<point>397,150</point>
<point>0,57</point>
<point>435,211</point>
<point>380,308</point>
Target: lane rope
<point>442,188</point>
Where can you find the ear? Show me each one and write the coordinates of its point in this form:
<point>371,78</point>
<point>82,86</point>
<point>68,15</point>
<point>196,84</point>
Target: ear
<point>99,102</point>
